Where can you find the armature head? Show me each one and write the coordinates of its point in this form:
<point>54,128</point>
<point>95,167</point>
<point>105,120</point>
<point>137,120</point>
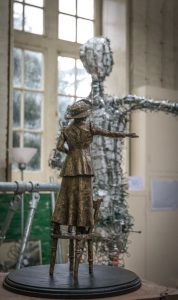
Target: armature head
<point>97,58</point>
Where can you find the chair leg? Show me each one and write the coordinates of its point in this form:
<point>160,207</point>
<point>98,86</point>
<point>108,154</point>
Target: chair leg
<point>53,255</point>
<point>90,256</point>
<point>71,255</point>
<point>78,253</point>
<point>77,259</point>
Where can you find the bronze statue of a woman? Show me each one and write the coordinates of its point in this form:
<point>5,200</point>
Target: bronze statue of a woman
<point>74,205</point>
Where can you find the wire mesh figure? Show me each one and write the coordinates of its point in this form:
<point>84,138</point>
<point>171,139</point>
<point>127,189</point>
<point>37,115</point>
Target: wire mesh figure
<point>112,112</point>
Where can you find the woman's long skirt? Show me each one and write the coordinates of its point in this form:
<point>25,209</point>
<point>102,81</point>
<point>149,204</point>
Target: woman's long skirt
<point>74,205</point>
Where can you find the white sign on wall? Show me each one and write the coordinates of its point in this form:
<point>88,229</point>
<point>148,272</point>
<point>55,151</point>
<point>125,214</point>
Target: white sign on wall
<point>136,183</point>
<point>164,194</point>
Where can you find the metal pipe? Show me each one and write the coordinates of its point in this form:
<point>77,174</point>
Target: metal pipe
<point>31,186</point>
<point>32,208</point>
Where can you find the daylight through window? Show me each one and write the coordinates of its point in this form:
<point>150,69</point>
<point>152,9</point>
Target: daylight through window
<point>76,20</point>
<point>73,82</point>
<point>28,16</point>
<point>28,102</point>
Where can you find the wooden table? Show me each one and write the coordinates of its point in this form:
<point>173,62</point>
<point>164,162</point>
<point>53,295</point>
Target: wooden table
<point>148,291</point>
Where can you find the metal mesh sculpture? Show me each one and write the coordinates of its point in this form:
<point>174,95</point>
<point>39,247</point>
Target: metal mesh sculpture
<point>112,113</point>
<point>110,183</point>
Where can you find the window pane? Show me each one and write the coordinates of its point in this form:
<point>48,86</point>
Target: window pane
<point>66,75</point>
<point>35,2</point>
<point>67,28</point>
<point>83,81</point>
<point>85,30</point>
<point>33,65</point>
<point>17,78</point>
<point>33,140</point>
<point>16,108</point>
<point>85,9</point>
<point>63,102</point>
<point>18,13</point>
<point>32,110</point>
<point>33,19</point>
<point>16,139</point>
<point>67,6</point>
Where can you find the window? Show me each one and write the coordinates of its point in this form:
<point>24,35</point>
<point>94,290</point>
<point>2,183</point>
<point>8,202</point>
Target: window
<point>73,82</point>
<point>28,16</point>
<point>43,58</point>
<point>28,102</point>
<point>76,20</point>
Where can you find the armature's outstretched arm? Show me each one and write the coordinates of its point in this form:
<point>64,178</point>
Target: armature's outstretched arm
<point>147,104</point>
<point>107,133</point>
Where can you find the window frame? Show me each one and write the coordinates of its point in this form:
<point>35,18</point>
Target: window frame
<point>77,17</point>
<point>51,47</point>
<point>74,95</point>
<point>22,130</point>
<point>24,4</point>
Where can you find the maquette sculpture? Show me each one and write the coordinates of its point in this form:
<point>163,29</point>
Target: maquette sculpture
<point>74,205</point>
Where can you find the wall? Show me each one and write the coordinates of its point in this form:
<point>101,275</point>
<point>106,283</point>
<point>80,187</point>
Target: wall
<point>154,44</point>
<point>5,37</point>
<point>144,41</point>
<point>153,73</point>
<point>154,252</point>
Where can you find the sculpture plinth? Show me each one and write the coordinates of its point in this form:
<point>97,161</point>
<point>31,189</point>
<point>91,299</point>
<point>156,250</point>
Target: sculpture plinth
<point>107,281</point>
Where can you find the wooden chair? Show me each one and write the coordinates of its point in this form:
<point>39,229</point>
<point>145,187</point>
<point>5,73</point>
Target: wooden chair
<point>76,245</point>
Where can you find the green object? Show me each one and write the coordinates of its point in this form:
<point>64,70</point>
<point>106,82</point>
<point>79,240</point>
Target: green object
<point>40,226</point>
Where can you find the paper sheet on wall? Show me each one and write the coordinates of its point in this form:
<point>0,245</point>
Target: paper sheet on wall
<point>164,194</point>
<point>136,183</point>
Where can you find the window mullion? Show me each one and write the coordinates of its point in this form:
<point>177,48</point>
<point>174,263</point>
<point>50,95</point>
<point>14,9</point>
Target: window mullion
<point>76,35</point>
<point>23,19</point>
<point>75,78</point>
<point>22,99</point>
<point>51,19</point>
<point>22,119</point>
<point>97,17</point>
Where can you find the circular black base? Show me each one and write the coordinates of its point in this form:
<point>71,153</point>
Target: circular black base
<point>106,281</point>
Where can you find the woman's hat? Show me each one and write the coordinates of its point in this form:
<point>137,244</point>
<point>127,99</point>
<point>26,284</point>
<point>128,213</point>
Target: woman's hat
<point>79,109</point>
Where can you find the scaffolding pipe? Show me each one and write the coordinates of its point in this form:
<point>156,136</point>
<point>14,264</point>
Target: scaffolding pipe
<point>31,186</point>
<point>32,208</point>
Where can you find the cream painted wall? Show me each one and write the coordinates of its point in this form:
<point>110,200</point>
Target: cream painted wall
<point>153,43</point>
<point>144,41</point>
<point>154,252</point>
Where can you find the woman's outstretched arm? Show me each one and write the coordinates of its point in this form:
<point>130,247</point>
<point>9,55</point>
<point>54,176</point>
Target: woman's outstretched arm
<point>115,134</point>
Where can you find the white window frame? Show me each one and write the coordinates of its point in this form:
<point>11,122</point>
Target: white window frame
<point>51,47</point>
<point>23,15</point>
